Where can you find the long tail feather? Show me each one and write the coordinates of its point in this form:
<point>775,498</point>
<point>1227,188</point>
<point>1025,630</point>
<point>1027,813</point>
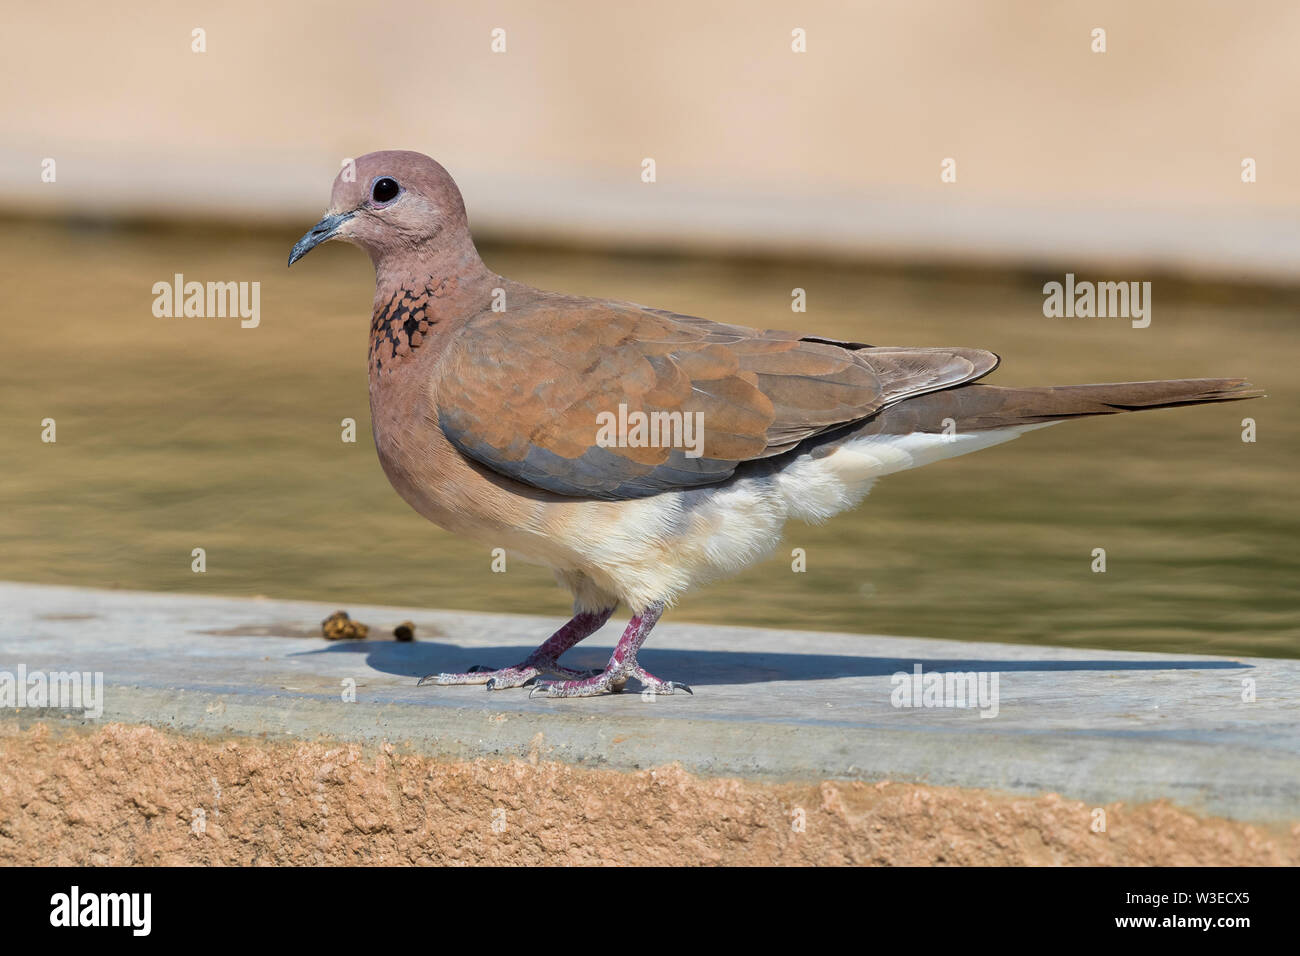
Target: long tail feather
<point>977,407</point>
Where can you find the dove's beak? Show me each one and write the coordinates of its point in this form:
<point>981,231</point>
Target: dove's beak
<point>327,228</point>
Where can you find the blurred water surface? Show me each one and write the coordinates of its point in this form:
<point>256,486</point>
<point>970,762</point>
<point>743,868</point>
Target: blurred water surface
<point>182,433</point>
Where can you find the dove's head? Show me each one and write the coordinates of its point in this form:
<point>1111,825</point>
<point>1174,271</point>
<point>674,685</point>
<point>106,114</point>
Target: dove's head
<point>393,203</point>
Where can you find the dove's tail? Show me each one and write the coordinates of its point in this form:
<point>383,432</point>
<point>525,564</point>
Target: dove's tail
<point>835,471</point>
<point>982,407</point>
<point>840,468</point>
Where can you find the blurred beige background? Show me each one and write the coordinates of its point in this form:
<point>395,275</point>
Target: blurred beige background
<point>1128,157</point>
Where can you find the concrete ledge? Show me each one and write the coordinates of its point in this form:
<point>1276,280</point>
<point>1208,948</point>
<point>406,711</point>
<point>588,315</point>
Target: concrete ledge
<point>1091,725</point>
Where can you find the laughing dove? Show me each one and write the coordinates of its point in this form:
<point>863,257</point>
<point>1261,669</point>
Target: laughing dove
<point>635,451</point>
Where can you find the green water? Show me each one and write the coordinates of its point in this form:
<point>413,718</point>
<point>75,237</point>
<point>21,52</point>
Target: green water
<point>182,433</point>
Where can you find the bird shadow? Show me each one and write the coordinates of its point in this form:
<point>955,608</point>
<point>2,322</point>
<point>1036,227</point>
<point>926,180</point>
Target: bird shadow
<point>723,667</point>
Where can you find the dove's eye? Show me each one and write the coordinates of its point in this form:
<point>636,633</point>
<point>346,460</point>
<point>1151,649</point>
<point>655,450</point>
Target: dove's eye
<point>385,189</point>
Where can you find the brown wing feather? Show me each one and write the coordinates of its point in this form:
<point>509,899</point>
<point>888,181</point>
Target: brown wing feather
<point>522,392</point>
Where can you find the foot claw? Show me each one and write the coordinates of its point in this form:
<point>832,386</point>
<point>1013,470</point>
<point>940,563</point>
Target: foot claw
<point>653,685</point>
<point>448,680</point>
<point>665,688</point>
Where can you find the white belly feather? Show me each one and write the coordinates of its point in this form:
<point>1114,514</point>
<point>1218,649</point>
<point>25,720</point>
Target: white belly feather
<point>656,548</point>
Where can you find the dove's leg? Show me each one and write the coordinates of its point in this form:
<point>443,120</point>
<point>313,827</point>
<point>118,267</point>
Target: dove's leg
<point>544,660</point>
<point>622,665</point>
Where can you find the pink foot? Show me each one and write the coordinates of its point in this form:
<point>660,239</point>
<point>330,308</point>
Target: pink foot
<point>622,666</point>
<point>544,660</point>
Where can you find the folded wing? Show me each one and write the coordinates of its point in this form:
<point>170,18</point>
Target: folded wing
<point>533,394</point>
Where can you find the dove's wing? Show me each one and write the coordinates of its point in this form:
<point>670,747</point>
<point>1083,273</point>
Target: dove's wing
<point>540,394</point>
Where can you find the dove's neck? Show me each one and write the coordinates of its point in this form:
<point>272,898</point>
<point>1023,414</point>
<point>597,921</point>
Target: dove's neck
<point>419,302</point>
